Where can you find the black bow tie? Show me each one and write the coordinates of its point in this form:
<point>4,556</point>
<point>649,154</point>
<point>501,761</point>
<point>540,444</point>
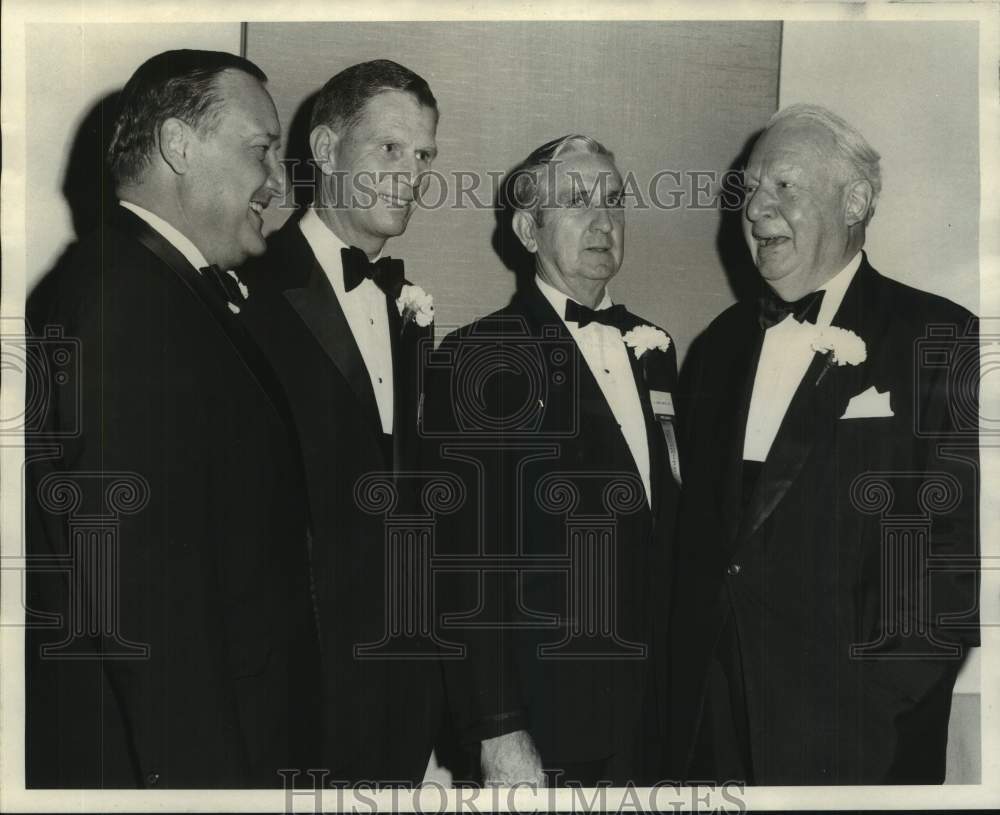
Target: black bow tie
<point>772,309</point>
<point>614,316</point>
<point>386,273</point>
<point>225,284</point>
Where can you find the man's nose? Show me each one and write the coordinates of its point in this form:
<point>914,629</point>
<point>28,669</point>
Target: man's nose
<point>759,204</point>
<point>601,219</point>
<point>275,176</point>
<point>410,167</point>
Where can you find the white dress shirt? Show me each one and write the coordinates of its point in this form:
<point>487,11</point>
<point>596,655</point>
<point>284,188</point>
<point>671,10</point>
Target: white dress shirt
<point>170,234</point>
<point>784,359</point>
<point>365,310</point>
<point>607,357</point>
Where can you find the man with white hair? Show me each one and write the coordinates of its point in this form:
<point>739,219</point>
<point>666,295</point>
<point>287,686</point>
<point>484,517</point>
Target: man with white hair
<point>556,411</point>
<point>826,590</point>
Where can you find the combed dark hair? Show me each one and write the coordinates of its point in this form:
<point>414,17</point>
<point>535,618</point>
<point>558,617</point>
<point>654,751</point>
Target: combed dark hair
<point>175,84</point>
<point>342,99</point>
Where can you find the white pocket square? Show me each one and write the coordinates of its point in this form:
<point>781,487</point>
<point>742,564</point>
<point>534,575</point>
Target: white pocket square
<point>869,404</point>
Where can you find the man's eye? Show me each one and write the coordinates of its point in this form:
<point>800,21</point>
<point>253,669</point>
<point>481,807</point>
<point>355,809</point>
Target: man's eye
<point>261,151</point>
<point>390,147</point>
<point>785,185</point>
<point>616,202</point>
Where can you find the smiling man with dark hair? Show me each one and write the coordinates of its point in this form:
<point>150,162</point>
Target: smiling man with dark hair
<point>182,650</point>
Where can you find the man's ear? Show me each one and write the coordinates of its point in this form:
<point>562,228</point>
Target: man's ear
<point>323,143</point>
<point>524,227</point>
<point>858,202</point>
<point>175,144</point>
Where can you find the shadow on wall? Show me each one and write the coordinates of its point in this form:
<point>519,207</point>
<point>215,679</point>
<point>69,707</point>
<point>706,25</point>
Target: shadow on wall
<point>301,172</point>
<point>506,244</point>
<point>87,185</point>
<point>731,247</point>
<point>729,242</point>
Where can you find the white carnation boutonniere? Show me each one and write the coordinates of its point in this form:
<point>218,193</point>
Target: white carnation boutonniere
<point>841,347</point>
<point>415,304</point>
<point>645,338</point>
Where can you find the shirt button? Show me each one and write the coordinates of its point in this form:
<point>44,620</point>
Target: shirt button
<point>371,320</point>
<point>734,569</point>
<point>152,779</point>
<point>380,380</point>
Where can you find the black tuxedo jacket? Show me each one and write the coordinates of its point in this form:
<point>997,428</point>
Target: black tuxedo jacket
<point>558,590</point>
<point>162,456</point>
<point>848,660</point>
<point>381,715</point>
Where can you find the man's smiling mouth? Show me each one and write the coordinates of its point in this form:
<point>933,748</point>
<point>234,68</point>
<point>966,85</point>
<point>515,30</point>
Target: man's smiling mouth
<point>766,242</point>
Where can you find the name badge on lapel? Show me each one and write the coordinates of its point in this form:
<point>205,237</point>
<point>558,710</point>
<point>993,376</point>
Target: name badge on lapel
<point>663,403</point>
<point>663,410</point>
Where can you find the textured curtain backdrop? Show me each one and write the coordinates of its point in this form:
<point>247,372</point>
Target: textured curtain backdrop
<point>664,96</point>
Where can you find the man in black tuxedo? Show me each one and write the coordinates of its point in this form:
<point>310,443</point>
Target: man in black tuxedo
<point>171,640</point>
<point>828,458</point>
<point>554,412</point>
<point>342,327</point>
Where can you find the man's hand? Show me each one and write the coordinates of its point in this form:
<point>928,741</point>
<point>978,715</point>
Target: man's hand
<point>510,759</point>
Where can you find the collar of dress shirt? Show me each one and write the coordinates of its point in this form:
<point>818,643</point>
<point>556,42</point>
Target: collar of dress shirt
<point>171,234</point>
<point>326,246</point>
<point>558,300</point>
<point>836,288</point>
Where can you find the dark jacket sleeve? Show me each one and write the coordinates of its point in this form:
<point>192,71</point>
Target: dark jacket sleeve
<point>482,682</point>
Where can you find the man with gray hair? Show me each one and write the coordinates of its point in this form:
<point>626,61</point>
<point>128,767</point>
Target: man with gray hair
<point>556,411</point>
<point>812,640</point>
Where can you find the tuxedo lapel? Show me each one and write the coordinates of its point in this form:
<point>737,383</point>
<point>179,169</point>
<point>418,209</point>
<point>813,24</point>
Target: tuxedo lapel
<point>591,398</point>
<point>818,402</point>
<point>732,401</point>
<point>400,411</point>
<point>646,379</point>
<point>246,347</point>
<point>317,305</point>
<point>805,419</point>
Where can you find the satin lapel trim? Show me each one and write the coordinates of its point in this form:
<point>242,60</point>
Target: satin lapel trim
<point>318,307</point>
<point>815,409</point>
<point>540,311</point>
<point>400,410</point>
<point>734,400</point>
<point>163,249</point>
<point>803,422</point>
<point>246,348</point>
<point>655,443</point>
